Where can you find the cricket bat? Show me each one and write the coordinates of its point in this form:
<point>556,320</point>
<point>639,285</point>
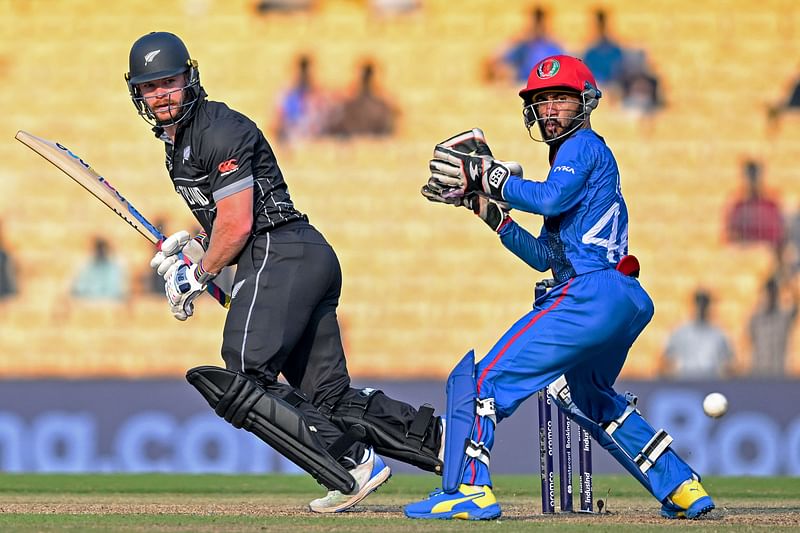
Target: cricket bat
<point>80,171</point>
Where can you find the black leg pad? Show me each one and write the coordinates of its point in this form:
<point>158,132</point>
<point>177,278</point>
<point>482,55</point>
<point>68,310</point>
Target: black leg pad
<point>393,428</point>
<point>240,400</point>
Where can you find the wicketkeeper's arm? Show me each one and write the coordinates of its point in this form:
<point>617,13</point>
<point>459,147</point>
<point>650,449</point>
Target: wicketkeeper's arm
<point>564,187</point>
<point>493,213</point>
<point>525,246</point>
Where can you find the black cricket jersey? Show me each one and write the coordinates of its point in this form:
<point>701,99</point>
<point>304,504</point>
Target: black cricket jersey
<point>220,152</point>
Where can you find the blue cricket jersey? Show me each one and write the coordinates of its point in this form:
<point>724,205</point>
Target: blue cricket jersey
<point>585,217</point>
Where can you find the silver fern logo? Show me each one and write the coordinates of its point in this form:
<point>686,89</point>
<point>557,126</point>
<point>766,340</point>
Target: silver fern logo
<point>236,289</point>
<point>150,56</point>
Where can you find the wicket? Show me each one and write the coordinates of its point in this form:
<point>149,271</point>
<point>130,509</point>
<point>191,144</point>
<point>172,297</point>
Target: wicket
<point>564,460</point>
<point>564,451</point>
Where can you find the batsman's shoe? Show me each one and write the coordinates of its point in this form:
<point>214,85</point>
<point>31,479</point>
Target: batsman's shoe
<point>369,475</point>
<point>440,453</point>
<point>469,502</point>
<point>690,500</point>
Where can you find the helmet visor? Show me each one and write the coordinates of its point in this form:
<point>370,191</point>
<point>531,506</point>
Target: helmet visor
<point>156,75</point>
<point>557,114</point>
<point>168,107</point>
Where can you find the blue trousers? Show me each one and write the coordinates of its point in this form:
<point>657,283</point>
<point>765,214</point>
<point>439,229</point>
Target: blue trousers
<point>583,329</point>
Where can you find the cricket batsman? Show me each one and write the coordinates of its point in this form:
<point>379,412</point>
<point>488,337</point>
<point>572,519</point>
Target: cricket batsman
<point>579,333</point>
<point>282,318</point>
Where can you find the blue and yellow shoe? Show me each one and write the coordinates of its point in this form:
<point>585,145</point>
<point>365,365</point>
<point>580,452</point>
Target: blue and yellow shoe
<point>690,500</point>
<point>469,502</point>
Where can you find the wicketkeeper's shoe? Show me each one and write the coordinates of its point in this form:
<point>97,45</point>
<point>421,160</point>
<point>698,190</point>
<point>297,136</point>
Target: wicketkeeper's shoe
<point>369,475</point>
<point>689,500</point>
<point>469,502</point>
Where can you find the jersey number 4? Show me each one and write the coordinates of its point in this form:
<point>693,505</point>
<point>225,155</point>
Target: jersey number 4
<point>614,249</point>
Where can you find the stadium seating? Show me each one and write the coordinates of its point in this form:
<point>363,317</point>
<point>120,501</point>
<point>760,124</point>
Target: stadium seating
<point>423,283</point>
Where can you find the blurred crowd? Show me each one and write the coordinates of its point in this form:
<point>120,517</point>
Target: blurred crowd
<point>622,71</point>
<point>307,111</point>
<point>698,349</point>
<point>701,349</point>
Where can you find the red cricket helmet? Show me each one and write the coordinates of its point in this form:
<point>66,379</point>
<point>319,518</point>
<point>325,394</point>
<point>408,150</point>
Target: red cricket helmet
<point>564,73</point>
<point>559,72</point>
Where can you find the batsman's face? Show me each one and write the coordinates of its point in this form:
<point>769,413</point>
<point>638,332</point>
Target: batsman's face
<point>164,96</point>
<point>555,111</point>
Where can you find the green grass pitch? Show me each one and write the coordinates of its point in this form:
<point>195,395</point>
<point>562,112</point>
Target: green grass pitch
<point>214,503</point>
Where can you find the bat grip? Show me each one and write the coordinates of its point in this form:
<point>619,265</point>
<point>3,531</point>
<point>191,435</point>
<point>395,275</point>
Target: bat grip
<point>211,288</point>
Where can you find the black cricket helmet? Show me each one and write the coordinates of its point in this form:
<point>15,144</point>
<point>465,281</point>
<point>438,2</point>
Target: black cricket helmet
<point>160,55</point>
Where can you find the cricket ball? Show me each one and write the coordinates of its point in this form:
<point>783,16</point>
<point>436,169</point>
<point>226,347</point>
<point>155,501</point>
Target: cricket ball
<point>715,405</point>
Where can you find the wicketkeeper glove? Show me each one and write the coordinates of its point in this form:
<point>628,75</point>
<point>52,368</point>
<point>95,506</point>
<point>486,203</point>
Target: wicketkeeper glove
<point>492,212</point>
<point>176,244</point>
<point>471,173</point>
<point>182,284</point>
<point>434,192</point>
<point>470,142</point>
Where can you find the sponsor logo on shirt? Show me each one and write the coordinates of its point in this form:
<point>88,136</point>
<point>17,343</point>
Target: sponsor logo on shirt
<point>227,167</point>
<point>563,168</point>
<point>192,195</point>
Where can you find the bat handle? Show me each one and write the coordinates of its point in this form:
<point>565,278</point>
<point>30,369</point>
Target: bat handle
<point>219,295</point>
<point>211,288</point>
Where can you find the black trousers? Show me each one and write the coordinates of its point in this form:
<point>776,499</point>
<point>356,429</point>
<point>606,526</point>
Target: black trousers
<point>282,320</point>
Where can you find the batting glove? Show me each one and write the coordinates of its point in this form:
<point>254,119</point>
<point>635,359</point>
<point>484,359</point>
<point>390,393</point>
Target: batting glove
<point>176,244</point>
<point>182,284</point>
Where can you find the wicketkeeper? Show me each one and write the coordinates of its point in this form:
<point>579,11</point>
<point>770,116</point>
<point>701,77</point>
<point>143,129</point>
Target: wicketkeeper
<point>582,329</point>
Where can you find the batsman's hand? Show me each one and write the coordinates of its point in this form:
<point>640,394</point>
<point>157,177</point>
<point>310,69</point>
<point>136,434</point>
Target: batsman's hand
<point>492,212</point>
<point>176,244</point>
<point>182,284</point>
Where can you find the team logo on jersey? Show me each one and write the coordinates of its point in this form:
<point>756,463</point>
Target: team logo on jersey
<point>564,168</point>
<point>150,56</point>
<point>548,68</point>
<point>226,167</point>
<point>186,153</point>
<point>236,289</point>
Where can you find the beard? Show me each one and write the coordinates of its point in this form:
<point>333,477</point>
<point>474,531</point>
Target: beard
<point>552,128</point>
